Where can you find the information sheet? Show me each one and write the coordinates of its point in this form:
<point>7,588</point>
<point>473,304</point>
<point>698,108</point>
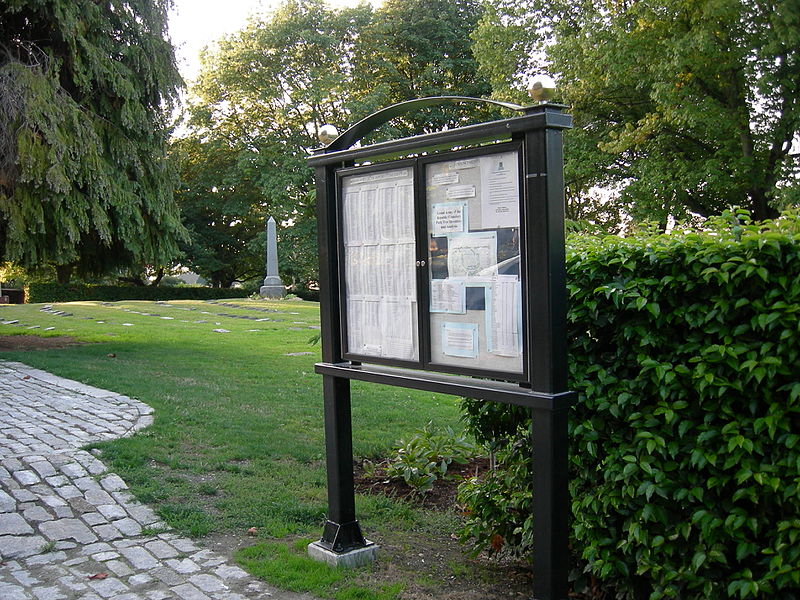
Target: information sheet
<point>460,339</point>
<point>500,191</point>
<point>449,217</point>
<point>448,296</point>
<point>379,264</point>
<point>504,317</point>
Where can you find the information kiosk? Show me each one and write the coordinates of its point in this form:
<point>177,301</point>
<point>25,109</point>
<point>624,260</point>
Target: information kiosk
<point>442,269</point>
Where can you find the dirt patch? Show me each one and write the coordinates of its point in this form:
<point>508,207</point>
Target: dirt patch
<point>10,343</point>
<point>226,543</point>
<point>435,566</point>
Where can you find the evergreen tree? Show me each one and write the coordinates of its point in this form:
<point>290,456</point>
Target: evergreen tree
<point>85,91</point>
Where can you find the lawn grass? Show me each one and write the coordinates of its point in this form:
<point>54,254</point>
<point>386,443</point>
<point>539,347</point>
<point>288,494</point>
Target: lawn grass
<point>289,567</point>
<point>238,438</point>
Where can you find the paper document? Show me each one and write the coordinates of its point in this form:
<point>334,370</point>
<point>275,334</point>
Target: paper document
<point>448,296</point>
<point>399,320</point>
<point>504,318</point>
<point>460,339</point>
<point>465,163</point>
<point>380,273</point>
<point>470,253</point>
<point>448,217</point>
<point>445,179</point>
<point>460,191</point>
<point>500,191</point>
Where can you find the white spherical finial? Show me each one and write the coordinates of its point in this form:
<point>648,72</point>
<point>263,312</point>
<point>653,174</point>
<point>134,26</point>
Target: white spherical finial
<point>543,88</point>
<point>327,133</point>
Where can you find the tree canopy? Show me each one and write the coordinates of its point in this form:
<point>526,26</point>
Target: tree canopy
<point>681,105</point>
<point>419,48</point>
<point>264,92</point>
<point>260,99</point>
<point>85,89</point>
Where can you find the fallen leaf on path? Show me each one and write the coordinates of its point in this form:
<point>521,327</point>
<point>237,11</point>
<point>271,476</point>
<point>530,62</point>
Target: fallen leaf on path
<point>98,576</point>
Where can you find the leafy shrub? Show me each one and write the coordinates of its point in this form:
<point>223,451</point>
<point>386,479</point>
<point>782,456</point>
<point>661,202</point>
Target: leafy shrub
<point>306,293</point>
<point>426,457</point>
<point>54,292</point>
<point>685,441</point>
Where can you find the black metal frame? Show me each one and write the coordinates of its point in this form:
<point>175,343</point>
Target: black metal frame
<point>544,389</point>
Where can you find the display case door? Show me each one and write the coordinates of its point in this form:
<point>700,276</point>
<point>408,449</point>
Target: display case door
<point>379,257</point>
<point>475,310</point>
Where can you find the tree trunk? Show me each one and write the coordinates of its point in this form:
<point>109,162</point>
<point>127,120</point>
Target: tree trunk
<point>761,209</point>
<point>159,277</point>
<point>762,182</point>
<point>63,274</point>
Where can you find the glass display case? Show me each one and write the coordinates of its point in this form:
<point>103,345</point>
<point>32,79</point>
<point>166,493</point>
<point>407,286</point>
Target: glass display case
<point>432,262</point>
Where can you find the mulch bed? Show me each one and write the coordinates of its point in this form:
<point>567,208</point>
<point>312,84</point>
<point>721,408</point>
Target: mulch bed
<point>442,496</point>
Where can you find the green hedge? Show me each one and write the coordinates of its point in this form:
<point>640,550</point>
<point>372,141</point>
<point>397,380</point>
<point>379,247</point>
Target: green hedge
<point>685,441</point>
<point>307,294</point>
<point>54,292</point>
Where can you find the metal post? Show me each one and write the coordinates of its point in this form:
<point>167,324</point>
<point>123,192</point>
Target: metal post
<point>342,542</point>
<point>342,531</point>
<point>544,222</point>
<point>550,503</point>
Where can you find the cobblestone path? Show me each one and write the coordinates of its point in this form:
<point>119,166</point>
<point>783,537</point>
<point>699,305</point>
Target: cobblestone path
<point>69,529</point>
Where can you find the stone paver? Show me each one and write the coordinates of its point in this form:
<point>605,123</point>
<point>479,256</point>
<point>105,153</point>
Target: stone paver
<point>69,529</point>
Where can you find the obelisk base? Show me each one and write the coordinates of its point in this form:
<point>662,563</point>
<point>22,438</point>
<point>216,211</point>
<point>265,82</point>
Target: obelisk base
<point>273,288</point>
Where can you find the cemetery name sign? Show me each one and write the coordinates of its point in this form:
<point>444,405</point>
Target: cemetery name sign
<point>442,269</point>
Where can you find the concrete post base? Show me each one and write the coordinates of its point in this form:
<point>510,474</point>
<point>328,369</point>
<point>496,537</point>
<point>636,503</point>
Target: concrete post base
<point>348,560</point>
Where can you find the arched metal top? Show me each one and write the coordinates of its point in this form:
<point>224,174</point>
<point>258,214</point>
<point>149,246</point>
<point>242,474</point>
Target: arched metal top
<point>376,119</point>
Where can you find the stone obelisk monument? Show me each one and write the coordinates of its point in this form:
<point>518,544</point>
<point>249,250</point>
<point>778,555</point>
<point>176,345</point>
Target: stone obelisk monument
<point>273,286</point>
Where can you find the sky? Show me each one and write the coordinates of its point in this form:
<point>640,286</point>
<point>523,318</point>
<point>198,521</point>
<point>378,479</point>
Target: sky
<point>194,24</point>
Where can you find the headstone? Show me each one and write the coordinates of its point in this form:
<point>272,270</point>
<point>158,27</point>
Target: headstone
<point>273,286</point>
